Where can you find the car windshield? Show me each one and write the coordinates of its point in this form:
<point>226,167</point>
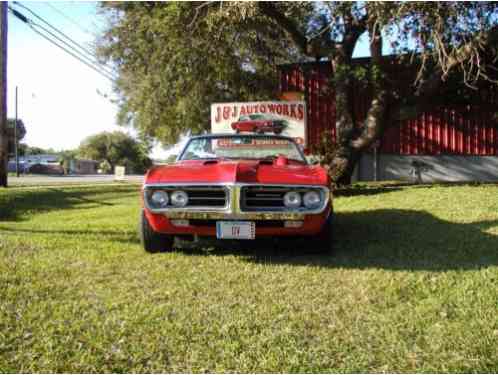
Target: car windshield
<point>241,147</point>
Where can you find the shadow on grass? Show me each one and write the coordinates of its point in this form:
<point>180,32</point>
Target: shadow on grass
<point>375,188</point>
<point>104,235</point>
<point>18,202</point>
<point>388,239</point>
<point>354,191</point>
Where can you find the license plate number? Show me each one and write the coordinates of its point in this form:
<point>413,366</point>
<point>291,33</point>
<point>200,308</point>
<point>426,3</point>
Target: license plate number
<point>239,230</point>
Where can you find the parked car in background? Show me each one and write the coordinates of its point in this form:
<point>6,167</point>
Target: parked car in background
<point>259,123</point>
<point>48,169</point>
<point>237,187</point>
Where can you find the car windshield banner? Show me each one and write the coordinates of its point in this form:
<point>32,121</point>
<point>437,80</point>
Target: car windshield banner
<point>273,117</point>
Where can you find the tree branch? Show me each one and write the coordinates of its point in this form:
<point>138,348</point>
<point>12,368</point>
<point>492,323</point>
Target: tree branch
<point>431,84</point>
<point>375,117</point>
<point>198,10</point>
<point>268,8</point>
<point>353,29</point>
<point>421,100</point>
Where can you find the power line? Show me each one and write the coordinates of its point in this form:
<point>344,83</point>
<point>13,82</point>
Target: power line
<point>93,62</point>
<point>82,28</point>
<point>31,25</point>
<point>105,74</point>
<point>82,48</point>
<point>74,55</point>
<point>54,28</point>
<point>61,33</point>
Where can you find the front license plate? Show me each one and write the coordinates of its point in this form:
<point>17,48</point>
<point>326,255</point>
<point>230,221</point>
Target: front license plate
<point>238,230</point>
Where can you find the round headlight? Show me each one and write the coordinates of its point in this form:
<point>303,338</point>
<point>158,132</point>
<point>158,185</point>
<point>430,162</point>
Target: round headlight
<point>159,198</point>
<point>179,198</point>
<point>311,199</point>
<point>292,199</point>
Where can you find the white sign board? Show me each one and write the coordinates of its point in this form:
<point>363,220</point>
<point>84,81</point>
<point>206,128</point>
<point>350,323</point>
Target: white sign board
<point>273,117</point>
<point>119,173</point>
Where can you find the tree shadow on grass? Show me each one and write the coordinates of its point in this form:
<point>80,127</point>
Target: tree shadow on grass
<point>352,192</point>
<point>376,188</point>
<point>387,239</point>
<point>14,204</point>
<point>104,235</point>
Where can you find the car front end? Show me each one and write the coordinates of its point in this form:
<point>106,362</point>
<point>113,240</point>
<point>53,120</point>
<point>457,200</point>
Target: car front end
<point>238,187</point>
<point>272,210</point>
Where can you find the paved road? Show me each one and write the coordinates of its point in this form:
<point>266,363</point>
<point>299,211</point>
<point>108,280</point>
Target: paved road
<point>38,180</point>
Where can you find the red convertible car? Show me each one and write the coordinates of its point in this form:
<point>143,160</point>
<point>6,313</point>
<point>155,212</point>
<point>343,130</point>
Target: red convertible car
<point>258,123</point>
<point>237,187</point>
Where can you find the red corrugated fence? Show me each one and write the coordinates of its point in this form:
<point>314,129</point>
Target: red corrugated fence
<point>470,129</point>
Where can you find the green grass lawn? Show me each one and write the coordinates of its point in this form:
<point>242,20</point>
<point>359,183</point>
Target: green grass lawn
<point>413,287</point>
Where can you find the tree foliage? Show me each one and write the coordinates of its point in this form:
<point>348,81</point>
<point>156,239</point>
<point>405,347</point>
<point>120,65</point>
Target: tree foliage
<point>11,134</point>
<point>25,149</point>
<point>175,59</point>
<point>65,157</point>
<point>116,148</point>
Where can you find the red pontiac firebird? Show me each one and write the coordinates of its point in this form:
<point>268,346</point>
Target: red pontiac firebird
<point>242,187</point>
<point>258,124</point>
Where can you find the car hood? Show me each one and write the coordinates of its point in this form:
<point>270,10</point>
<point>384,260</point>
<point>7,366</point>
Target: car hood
<point>241,171</point>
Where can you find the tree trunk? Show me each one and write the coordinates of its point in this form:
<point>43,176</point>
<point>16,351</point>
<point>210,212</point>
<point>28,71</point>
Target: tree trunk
<point>350,148</point>
<point>344,120</point>
<point>353,142</point>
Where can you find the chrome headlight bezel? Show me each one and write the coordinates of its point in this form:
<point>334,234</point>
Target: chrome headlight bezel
<point>312,199</point>
<point>292,200</point>
<point>159,199</point>
<point>179,198</point>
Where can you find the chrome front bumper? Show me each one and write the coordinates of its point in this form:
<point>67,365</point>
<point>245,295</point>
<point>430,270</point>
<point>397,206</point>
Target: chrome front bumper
<point>232,210</point>
<point>207,215</point>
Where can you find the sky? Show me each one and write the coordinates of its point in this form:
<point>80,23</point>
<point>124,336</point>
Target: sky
<point>60,99</point>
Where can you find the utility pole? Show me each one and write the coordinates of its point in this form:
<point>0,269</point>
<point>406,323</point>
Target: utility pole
<point>16,141</point>
<point>4,152</point>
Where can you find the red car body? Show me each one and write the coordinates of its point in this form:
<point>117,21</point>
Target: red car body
<point>244,184</point>
<point>258,124</point>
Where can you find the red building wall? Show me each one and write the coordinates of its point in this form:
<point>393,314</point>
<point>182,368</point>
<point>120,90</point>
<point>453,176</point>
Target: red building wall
<point>464,130</point>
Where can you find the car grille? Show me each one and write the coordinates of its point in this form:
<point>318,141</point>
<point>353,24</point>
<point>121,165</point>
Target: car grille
<point>205,196</point>
<point>209,196</point>
<point>268,198</point>
<point>262,197</point>
<point>252,198</point>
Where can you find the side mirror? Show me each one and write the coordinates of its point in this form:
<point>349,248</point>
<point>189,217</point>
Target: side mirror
<point>312,159</point>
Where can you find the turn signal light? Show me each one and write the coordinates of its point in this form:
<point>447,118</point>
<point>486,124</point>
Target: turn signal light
<point>293,224</point>
<point>180,223</point>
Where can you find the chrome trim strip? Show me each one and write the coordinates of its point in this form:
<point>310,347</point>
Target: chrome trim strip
<point>233,209</point>
<point>234,216</point>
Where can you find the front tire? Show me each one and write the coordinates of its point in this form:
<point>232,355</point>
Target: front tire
<point>326,238</point>
<point>152,241</point>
